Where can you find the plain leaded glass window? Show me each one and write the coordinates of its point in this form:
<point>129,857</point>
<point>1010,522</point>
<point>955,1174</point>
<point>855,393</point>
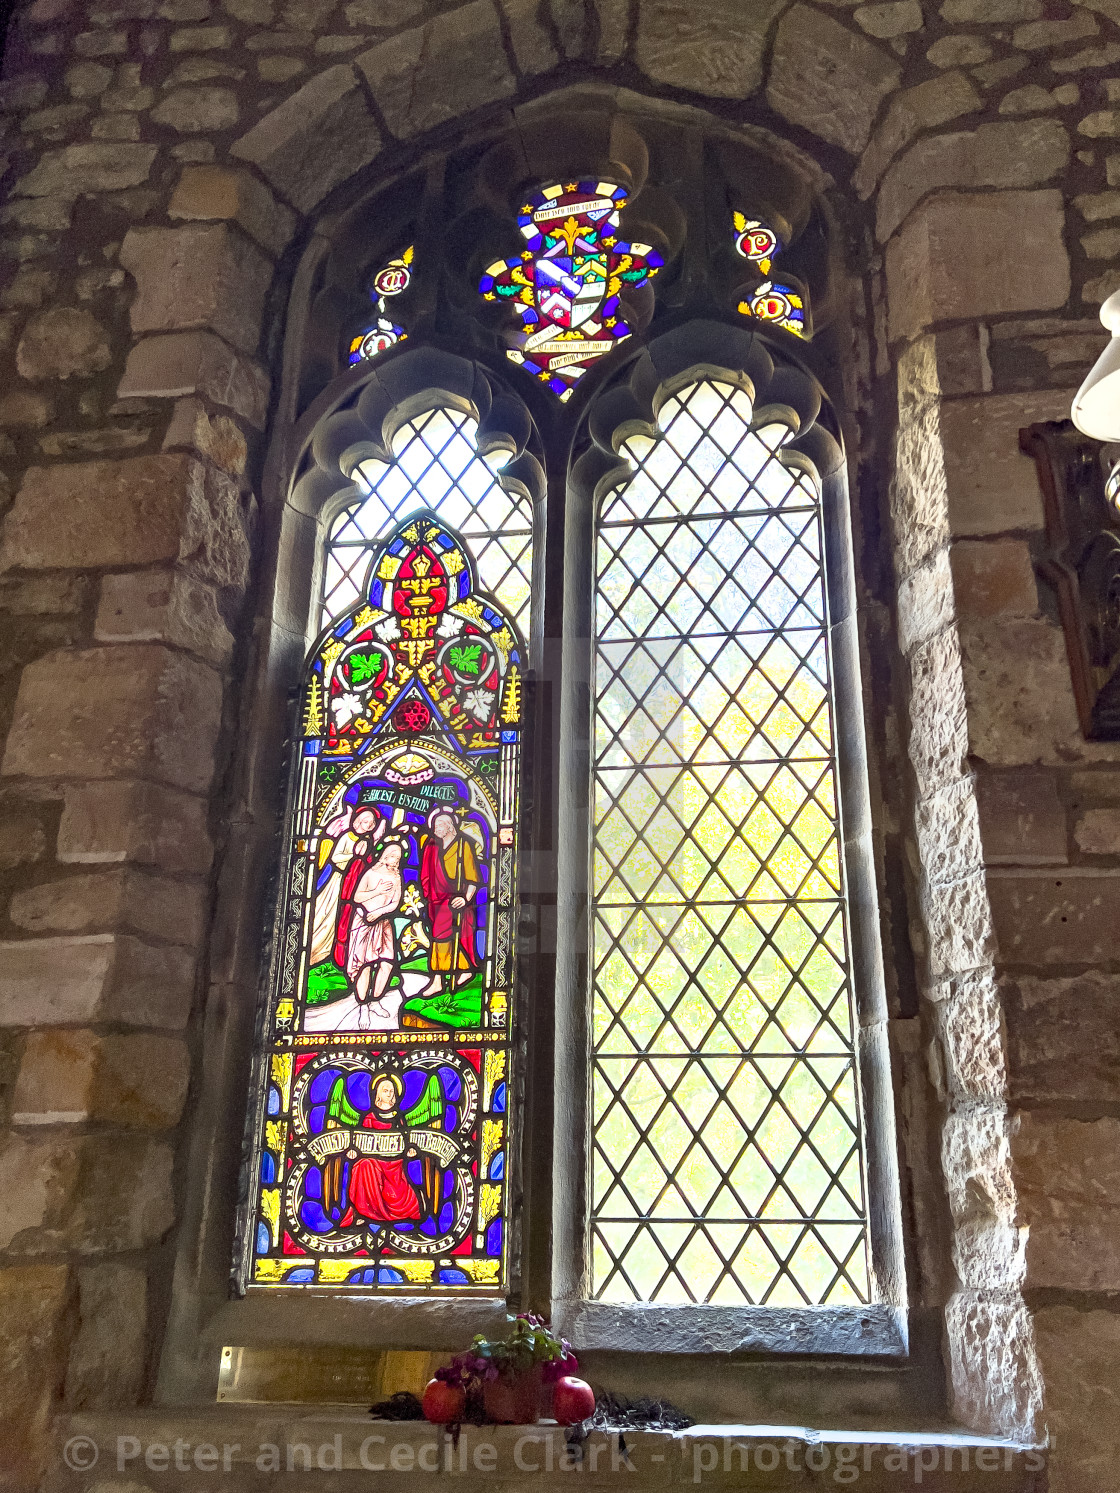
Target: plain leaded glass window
<point>727,1159</point>
<point>436,466</point>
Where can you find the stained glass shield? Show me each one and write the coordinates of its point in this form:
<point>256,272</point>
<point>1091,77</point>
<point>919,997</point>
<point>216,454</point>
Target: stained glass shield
<point>384,1133</point>
<point>727,1158</point>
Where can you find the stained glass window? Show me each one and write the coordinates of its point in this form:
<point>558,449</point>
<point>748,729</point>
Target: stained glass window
<point>727,1162</point>
<point>784,305</point>
<point>389,281</point>
<point>383,1142</point>
<point>567,285</point>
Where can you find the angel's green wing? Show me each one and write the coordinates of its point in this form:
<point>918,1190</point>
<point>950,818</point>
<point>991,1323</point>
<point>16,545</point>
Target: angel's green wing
<point>339,1108</point>
<point>429,1107</point>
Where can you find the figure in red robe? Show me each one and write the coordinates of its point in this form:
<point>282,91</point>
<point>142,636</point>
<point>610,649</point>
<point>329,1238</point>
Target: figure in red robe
<point>379,1187</point>
<point>449,879</point>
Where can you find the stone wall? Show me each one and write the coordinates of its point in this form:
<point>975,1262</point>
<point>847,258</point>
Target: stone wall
<point>165,159</point>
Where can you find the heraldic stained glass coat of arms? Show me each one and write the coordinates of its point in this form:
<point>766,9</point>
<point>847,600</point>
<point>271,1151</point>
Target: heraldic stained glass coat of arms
<point>381,1155</point>
<point>568,282</point>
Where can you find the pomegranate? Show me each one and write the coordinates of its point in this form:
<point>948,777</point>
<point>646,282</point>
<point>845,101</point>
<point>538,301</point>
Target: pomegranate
<point>573,1400</point>
<point>443,1404</point>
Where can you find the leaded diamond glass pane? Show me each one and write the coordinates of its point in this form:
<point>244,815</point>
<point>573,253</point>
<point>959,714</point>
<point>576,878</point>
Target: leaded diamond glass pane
<point>436,466</point>
<point>727,1155</point>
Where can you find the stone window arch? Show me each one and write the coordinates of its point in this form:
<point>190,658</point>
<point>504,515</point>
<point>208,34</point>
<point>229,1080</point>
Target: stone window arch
<point>687,177</point>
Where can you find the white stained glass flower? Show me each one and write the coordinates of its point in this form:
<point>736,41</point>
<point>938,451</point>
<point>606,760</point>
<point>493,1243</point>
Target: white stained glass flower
<point>345,708</point>
<point>388,629</point>
<point>412,902</point>
<point>479,702</point>
<point>449,625</point>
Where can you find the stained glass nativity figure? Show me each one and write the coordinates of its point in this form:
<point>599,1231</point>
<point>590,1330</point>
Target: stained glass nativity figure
<point>568,285</point>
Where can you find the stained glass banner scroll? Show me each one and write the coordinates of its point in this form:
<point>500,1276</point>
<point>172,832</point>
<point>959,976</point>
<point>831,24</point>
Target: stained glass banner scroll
<point>727,1155</point>
<point>382,1153</point>
<point>566,285</point>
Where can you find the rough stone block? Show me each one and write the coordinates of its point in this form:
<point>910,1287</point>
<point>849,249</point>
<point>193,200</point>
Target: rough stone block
<point>1037,36</point>
<point>121,712</point>
<point>96,167</point>
<point>439,71</point>
<point>62,342</point>
<point>1063,1038</point>
<point>923,107</point>
<point>121,900</point>
<point>314,140</point>
<point>938,726</point>
<point>22,837</point>
<point>963,366</point>
<point>122,1198</point>
<point>135,510</point>
<point>197,111</point>
<point>1008,154</point>
<point>35,1301</point>
<point>1079,1351</point>
<point>714,50</point>
<point>1097,832</point>
<point>1068,918</point>
<point>219,439</point>
<point>107,822</point>
<point>962,50</point>
<point>925,601</point>
<point>55,1084</point>
<point>1022,819</point>
<point>181,363</point>
<point>533,47</point>
<point>1102,787</point>
<point>890,18</point>
<point>935,275</point>
<point>107,977</point>
<point>827,79</point>
<point>996,1384</point>
<point>1020,699</point>
<point>67,1076</point>
<point>970,1031</point>
<point>948,828</point>
<point>108,1356</point>
<point>992,486</point>
<point>25,409</point>
<point>233,194</point>
<point>959,925</point>
<point>1068,1172</point>
<point>994,578</point>
<point>37,1178</point>
<point>990,12</point>
<point>163,606</point>
<point>200,275</point>
<point>918,499</point>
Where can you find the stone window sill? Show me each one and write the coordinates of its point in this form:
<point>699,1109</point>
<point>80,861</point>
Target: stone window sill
<point>261,1446</point>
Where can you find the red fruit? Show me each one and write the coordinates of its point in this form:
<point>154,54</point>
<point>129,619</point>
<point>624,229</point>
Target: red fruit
<point>443,1404</point>
<point>573,1400</point>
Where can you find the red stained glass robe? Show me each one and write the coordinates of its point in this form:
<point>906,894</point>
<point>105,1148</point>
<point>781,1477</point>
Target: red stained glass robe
<point>379,1189</point>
